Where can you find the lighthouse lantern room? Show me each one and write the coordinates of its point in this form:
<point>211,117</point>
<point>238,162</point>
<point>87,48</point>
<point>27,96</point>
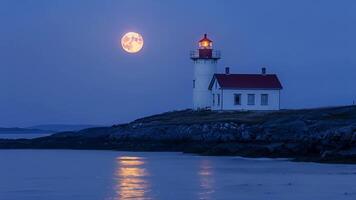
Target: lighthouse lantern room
<point>205,66</point>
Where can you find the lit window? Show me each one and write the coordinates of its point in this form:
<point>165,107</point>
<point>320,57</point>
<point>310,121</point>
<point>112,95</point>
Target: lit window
<point>251,99</point>
<point>237,99</point>
<point>205,44</point>
<point>264,99</point>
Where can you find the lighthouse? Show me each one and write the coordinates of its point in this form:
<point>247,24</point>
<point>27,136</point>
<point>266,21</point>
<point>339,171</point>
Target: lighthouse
<point>205,66</point>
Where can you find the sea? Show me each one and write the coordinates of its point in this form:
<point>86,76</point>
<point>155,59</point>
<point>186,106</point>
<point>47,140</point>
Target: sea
<point>114,175</point>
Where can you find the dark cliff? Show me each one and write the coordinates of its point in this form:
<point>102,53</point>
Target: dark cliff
<point>323,135</point>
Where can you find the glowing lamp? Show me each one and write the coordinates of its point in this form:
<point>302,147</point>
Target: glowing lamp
<point>205,43</point>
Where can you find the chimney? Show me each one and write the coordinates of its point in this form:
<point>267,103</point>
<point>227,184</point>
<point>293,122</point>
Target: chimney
<point>227,70</point>
<point>263,70</point>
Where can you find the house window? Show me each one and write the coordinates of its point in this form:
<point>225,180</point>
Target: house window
<point>264,99</point>
<point>213,99</point>
<point>251,99</point>
<point>193,83</point>
<point>218,96</point>
<point>237,99</point>
<point>216,85</point>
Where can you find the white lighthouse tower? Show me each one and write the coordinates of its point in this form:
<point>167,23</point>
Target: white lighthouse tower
<point>205,66</point>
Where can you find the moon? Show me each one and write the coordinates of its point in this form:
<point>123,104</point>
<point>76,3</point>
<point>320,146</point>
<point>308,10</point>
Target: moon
<point>132,42</point>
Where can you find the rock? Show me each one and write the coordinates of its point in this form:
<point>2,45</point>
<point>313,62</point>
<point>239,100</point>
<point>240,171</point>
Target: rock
<point>326,134</point>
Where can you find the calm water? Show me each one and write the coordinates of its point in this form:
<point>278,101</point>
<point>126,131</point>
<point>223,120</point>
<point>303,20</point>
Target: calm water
<point>109,175</point>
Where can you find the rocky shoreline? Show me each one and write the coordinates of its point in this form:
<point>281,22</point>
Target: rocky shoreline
<point>318,135</point>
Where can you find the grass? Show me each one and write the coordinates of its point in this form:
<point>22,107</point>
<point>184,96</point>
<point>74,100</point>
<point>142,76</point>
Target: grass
<point>255,117</point>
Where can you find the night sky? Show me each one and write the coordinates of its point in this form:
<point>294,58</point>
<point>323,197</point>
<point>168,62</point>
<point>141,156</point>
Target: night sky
<point>61,60</point>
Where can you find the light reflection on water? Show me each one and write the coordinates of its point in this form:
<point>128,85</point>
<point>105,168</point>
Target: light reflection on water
<point>132,179</point>
<point>206,178</point>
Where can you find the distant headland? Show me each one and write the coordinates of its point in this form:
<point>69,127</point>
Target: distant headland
<point>318,135</point>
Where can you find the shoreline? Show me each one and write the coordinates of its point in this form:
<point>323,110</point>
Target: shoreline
<point>260,158</point>
<point>306,159</point>
<point>324,135</point>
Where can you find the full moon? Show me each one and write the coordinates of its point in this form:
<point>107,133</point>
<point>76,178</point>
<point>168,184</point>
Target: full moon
<point>132,42</point>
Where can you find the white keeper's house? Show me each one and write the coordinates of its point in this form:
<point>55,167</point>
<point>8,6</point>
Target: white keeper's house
<point>227,91</point>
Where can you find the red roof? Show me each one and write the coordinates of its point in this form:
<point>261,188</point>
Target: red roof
<point>205,38</point>
<point>247,81</point>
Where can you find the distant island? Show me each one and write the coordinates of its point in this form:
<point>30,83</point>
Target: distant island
<point>17,130</point>
<point>318,135</point>
<point>62,127</point>
<point>43,129</point>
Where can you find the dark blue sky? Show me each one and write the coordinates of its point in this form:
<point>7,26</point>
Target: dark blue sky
<point>60,61</point>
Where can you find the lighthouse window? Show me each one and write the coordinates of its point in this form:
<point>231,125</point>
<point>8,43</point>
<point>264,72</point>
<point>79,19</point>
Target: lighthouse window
<point>193,83</point>
<point>237,99</point>
<point>250,99</point>
<point>264,99</point>
<point>205,44</point>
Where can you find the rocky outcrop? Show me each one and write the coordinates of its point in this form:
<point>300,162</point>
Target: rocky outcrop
<point>323,135</point>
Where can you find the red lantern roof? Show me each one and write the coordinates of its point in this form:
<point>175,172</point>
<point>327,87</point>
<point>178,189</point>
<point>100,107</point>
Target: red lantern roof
<point>205,39</point>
